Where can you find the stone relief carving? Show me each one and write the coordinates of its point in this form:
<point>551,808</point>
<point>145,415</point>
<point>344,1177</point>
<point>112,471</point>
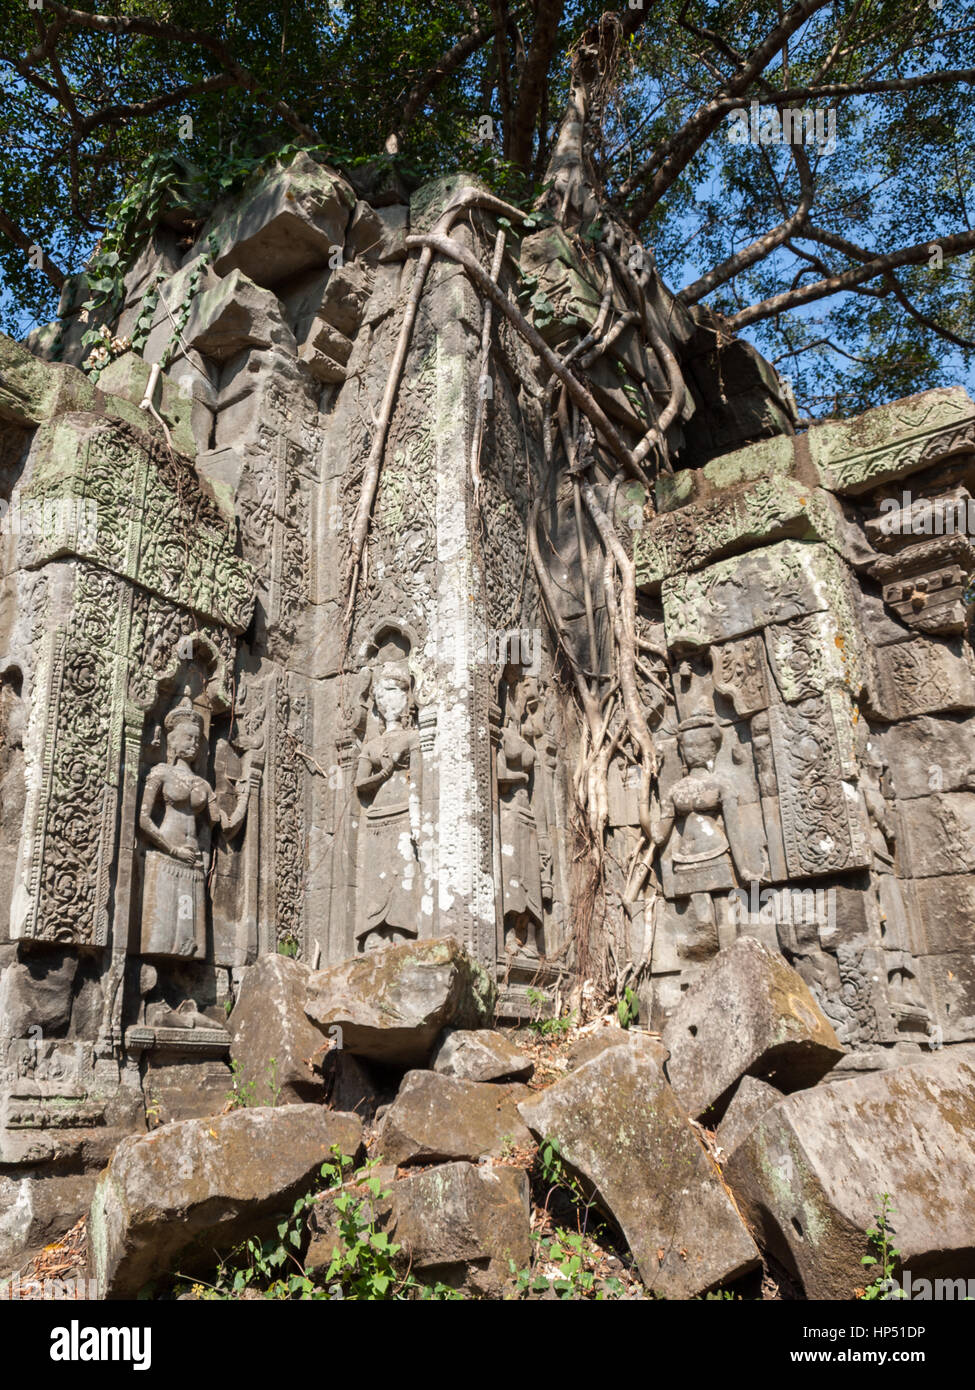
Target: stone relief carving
<point>388,783</point>
<point>526,856</point>
<point>174,898</point>
<point>698,833</point>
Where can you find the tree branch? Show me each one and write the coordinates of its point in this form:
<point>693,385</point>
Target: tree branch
<point>763,245</point>
<point>157,29</point>
<point>127,110</point>
<point>453,59</point>
<point>668,162</point>
<point>545,33</point>
<point>20,239</point>
<point>954,245</point>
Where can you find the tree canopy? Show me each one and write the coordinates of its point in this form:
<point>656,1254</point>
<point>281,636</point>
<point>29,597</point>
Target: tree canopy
<point>804,171</point>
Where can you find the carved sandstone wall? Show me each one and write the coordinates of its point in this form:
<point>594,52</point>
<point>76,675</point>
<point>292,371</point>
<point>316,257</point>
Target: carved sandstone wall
<point>205,758</point>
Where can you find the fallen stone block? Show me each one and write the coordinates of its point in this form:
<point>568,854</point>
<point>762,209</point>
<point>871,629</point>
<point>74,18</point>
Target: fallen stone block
<point>747,1012</point>
<point>435,1119</point>
<point>461,1224</point>
<point>619,1127</point>
<point>168,1200</point>
<point>748,1105</point>
<point>480,1054</point>
<point>592,1045</point>
<point>393,1004</point>
<point>272,1040</point>
<point>808,1178</point>
<point>289,223</point>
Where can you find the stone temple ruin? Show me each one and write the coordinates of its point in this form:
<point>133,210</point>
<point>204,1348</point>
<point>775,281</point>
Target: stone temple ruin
<point>208,755</point>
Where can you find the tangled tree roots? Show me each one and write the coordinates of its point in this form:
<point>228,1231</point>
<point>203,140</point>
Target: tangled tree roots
<point>582,445</point>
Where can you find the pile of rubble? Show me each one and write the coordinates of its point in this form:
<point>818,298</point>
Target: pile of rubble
<point>736,1139</point>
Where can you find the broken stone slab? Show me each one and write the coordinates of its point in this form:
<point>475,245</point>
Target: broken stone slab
<point>289,223</point>
<point>463,1224</point>
<point>480,1054</point>
<point>391,1005</point>
<point>321,365</point>
<point>435,1119</point>
<point>747,1012</point>
<point>32,391</point>
<point>169,1199</point>
<point>808,1177</point>
<point>594,1044</point>
<point>273,1043</point>
<point>378,235</point>
<point>36,990</point>
<point>234,315</point>
<point>619,1127</point>
<point>893,440</point>
<point>749,1103</point>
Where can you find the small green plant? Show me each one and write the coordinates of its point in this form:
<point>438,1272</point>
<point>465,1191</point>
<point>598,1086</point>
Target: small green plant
<point>552,1027</point>
<point>569,1253</point>
<point>242,1093</point>
<point>628,1008</point>
<point>555,1175</point>
<point>363,1264</point>
<point>288,945</point>
<point>885,1253</point>
<point>272,1080</point>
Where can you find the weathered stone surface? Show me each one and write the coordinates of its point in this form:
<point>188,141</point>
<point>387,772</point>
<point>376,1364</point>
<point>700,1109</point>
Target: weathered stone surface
<point>35,992</point>
<point>378,234</point>
<point>619,1126</point>
<point>391,1005</point>
<point>929,755</point>
<point>32,391</point>
<point>234,315</point>
<point>272,1040</point>
<point>188,418</point>
<point>480,1054</point>
<point>345,298</point>
<point>290,223</point>
<point>594,1044</point>
<point>734,597</point>
<point>438,1118</point>
<point>462,1223</point>
<point>168,1200</point>
<point>808,1176</point>
<point>893,440</point>
<point>749,1103</point>
<point>748,1012</point>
